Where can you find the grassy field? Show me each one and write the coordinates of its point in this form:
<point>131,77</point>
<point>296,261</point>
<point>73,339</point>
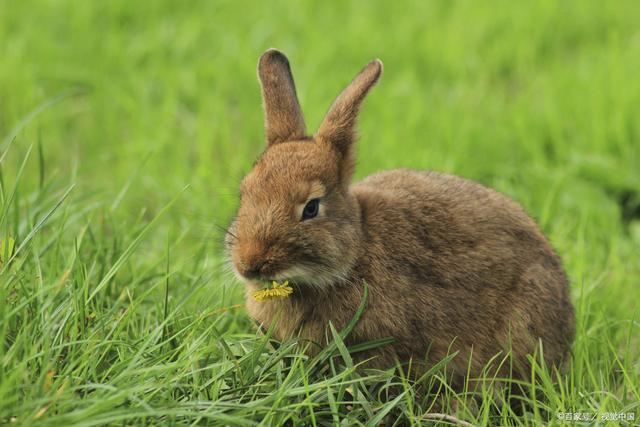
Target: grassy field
<point>125,128</point>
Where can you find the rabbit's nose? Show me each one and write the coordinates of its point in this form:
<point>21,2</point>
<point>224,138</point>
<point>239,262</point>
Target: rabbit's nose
<point>252,261</point>
<point>253,270</point>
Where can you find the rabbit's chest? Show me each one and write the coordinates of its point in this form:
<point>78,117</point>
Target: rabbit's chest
<point>308,318</point>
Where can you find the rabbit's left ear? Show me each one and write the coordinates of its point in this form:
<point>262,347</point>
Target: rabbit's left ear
<point>283,119</point>
<point>339,125</point>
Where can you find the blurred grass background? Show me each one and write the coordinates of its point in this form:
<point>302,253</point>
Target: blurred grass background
<point>540,100</point>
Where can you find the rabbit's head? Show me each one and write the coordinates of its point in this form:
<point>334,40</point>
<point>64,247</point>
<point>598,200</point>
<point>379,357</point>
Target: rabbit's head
<point>297,220</point>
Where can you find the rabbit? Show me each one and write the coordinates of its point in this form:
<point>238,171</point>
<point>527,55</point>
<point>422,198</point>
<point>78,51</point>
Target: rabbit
<point>451,267</point>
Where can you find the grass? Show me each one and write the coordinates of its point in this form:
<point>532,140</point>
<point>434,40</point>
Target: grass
<point>126,127</point>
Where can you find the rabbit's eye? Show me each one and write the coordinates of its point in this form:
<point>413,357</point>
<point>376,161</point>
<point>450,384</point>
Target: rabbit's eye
<point>311,209</point>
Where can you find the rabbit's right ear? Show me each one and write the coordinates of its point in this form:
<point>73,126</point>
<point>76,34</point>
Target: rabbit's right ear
<point>283,117</point>
<point>339,125</point>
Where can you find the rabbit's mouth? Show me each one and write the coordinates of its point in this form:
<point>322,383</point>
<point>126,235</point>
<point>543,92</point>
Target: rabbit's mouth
<point>294,281</point>
<point>294,275</point>
<point>299,276</point>
<point>305,275</point>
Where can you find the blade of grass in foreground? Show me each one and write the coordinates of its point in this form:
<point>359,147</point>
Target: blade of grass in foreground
<point>37,228</point>
<point>333,345</point>
<point>131,248</point>
<point>10,200</point>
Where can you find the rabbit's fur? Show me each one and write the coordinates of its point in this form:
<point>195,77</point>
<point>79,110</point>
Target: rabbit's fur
<point>451,266</point>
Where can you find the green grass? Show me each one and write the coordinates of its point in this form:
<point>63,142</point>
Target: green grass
<point>126,127</point>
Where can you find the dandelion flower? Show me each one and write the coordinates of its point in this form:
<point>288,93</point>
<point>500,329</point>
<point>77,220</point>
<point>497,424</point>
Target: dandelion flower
<point>276,291</point>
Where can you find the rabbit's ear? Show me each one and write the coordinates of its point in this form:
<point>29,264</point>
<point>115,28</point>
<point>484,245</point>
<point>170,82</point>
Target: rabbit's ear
<point>283,116</point>
<point>338,126</point>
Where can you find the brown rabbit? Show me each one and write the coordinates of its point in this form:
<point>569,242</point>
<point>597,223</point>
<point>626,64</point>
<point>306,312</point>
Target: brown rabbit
<point>451,266</point>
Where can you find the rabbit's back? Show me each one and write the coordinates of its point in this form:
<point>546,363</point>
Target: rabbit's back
<point>467,265</point>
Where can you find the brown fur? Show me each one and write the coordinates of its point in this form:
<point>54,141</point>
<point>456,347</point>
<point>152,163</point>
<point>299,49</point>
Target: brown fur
<point>451,265</point>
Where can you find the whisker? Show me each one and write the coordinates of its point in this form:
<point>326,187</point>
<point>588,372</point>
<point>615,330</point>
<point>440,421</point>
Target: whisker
<point>225,230</point>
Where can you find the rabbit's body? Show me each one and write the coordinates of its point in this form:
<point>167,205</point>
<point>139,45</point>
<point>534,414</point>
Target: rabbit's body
<point>451,266</point>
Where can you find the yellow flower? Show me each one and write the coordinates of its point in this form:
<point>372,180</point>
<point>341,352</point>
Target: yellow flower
<point>277,291</point>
